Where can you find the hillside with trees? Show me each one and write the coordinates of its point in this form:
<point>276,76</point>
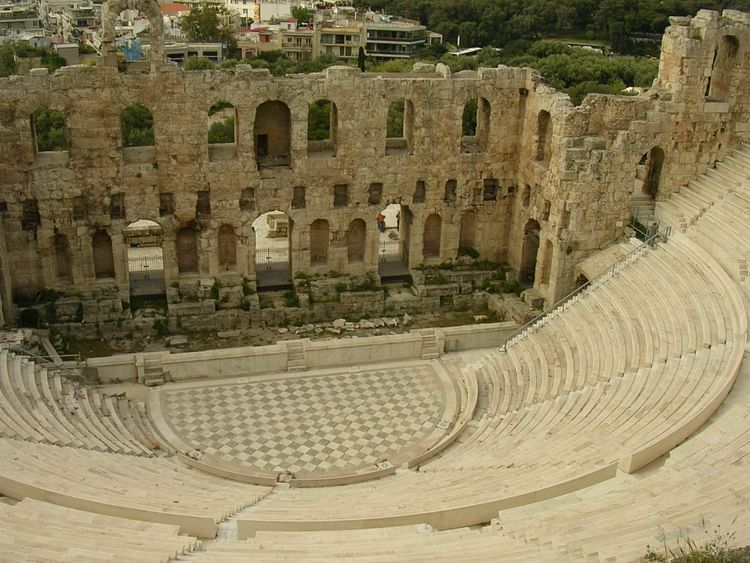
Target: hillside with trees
<point>629,26</point>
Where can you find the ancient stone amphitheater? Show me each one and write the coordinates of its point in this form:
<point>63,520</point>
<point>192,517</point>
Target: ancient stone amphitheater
<point>618,419</point>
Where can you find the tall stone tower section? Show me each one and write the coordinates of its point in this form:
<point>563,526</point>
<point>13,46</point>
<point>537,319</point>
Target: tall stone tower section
<point>613,157</point>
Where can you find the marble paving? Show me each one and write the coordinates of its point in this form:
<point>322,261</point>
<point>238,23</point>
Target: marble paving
<point>329,423</point>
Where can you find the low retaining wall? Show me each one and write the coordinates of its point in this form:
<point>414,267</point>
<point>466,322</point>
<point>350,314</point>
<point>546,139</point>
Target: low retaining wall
<point>318,354</point>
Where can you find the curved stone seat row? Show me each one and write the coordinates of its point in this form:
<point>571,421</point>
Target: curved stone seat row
<point>617,379</point>
<point>151,489</point>
<point>408,543</point>
<point>40,408</point>
<point>39,531</point>
<point>701,488</point>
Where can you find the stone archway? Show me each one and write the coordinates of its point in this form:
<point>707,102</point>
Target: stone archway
<point>467,234</point>
<point>273,250</point>
<point>432,236</point>
<point>145,259</point>
<point>529,252</point>
<point>356,236</point>
<point>111,9</point>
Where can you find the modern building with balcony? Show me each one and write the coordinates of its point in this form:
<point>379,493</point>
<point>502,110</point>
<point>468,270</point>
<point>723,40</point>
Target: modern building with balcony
<point>18,18</point>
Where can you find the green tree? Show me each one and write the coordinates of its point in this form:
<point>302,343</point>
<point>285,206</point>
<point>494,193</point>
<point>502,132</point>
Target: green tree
<point>7,60</point>
<point>52,61</point>
<point>209,23</point>
<point>469,118</point>
<point>198,63</point>
<point>395,123</point>
<point>221,131</point>
<point>49,128</point>
<point>137,123</point>
<point>221,128</point>
<point>319,121</point>
<point>302,14</point>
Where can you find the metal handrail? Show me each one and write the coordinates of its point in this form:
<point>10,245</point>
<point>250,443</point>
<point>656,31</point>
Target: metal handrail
<point>560,305</point>
<point>70,366</point>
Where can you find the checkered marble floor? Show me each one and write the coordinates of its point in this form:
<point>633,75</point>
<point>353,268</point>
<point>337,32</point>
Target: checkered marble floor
<point>325,423</point>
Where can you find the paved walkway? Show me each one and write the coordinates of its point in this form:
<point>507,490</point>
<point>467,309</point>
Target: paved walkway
<point>332,422</point>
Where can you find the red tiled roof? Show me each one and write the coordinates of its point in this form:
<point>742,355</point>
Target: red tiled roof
<point>173,8</point>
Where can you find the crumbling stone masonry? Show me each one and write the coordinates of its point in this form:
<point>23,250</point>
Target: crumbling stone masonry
<point>542,184</point>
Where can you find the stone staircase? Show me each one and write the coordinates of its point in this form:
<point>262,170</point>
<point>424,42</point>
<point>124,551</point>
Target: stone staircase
<point>430,349</point>
<point>296,361</point>
<point>153,372</point>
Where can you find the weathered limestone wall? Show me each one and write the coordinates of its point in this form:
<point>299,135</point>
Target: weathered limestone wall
<point>566,176</point>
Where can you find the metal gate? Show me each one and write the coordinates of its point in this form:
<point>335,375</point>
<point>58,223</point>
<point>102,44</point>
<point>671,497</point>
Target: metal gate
<point>146,275</point>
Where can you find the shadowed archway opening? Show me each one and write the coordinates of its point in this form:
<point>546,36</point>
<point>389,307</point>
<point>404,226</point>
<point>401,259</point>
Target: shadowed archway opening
<point>529,252</point>
<point>394,224</point>
<point>356,237</point>
<point>432,235</point>
<point>143,242</point>
<point>273,239</point>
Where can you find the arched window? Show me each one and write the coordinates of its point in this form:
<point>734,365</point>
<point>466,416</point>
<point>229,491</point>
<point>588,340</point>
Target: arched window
<point>547,261</point>
<point>652,163</point>
<point>467,235</point>
<point>543,137</point>
<point>187,251</point>
<point>529,251</point>
<point>221,123</point>
<point>273,134</point>
<point>725,60</point>
<point>104,263</point>
<point>432,235</point>
<point>469,118</point>
<point>319,233</point>
<point>137,125</point>
<point>227,247</point>
<point>322,128</point>
<point>355,241</point>
<point>475,125</point>
<point>63,262</point>
<point>526,197</point>
<point>49,130</point>
<point>399,126</point>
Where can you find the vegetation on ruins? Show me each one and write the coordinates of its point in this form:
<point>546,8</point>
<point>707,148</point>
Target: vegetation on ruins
<point>137,126</point>
<point>630,27</point>
<point>395,121</point>
<point>716,547</point>
<point>49,128</point>
<point>222,129</point>
<point>7,60</point>
<point>198,63</point>
<point>573,70</point>
<point>319,121</point>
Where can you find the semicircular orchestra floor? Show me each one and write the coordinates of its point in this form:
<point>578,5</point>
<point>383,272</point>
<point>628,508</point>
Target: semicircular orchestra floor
<point>334,422</point>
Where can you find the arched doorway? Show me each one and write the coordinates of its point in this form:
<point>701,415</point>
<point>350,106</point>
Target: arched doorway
<point>320,233</point>
<point>273,134</point>
<point>143,242</point>
<point>646,188</point>
<point>227,248</point>
<point>356,238</point>
<point>432,236</point>
<point>467,234</point>
<point>393,224</point>
<point>529,252</point>
<point>273,236</point>
<point>101,249</point>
